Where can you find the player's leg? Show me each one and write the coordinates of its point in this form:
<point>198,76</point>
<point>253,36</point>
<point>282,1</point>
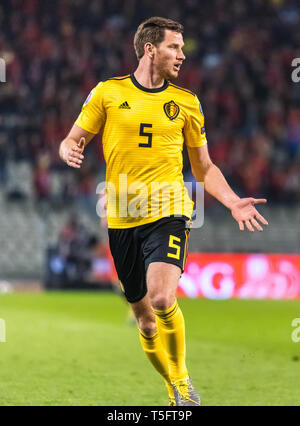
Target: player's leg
<point>145,317</point>
<point>165,250</point>
<point>127,255</point>
<point>151,341</point>
<point>162,282</point>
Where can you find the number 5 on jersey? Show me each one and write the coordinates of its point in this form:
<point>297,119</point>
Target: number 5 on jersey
<point>148,135</point>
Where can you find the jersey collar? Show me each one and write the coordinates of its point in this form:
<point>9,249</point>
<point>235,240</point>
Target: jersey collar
<point>145,89</point>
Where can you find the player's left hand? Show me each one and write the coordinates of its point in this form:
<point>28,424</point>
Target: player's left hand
<point>245,213</point>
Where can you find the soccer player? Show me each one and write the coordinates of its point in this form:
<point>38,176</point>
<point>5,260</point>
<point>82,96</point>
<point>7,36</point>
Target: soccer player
<point>145,119</point>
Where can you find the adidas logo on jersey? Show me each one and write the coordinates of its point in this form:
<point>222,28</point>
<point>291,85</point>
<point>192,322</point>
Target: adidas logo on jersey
<point>125,105</point>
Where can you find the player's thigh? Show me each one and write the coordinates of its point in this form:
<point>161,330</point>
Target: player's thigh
<point>165,251</point>
<point>126,252</point>
<point>162,282</point>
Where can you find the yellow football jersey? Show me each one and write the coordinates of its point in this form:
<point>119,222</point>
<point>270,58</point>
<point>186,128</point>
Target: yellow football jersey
<point>143,131</point>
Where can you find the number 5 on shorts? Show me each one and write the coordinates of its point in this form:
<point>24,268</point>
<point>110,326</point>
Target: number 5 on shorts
<point>172,244</point>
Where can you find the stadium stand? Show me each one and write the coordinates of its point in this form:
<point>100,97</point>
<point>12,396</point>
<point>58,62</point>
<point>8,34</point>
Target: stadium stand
<point>239,64</point>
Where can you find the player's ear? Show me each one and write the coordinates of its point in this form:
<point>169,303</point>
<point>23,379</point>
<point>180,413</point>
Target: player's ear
<point>149,50</point>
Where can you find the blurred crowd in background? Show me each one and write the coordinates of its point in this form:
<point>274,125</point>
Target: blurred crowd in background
<point>79,259</point>
<point>239,56</point>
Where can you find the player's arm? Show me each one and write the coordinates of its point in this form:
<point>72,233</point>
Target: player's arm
<point>87,125</point>
<point>206,171</point>
<point>72,147</point>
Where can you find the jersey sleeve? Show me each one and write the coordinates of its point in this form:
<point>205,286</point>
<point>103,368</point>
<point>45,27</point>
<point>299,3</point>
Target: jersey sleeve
<point>92,116</point>
<point>194,129</point>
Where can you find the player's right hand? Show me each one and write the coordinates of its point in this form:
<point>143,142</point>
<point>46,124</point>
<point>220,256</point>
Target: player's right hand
<point>73,154</point>
<point>243,211</point>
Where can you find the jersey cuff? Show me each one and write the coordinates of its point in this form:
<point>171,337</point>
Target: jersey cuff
<point>85,128</point>
<point>197,145</point>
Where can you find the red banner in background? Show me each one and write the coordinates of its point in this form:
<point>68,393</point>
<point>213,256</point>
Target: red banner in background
<point>243,276</point>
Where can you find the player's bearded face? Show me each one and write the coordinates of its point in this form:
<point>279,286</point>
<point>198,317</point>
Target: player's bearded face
<point>169,56</point>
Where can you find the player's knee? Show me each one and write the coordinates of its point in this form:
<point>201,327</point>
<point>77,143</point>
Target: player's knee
<point>162,302</point>
<point>148,332</point>
<point>147,328</point>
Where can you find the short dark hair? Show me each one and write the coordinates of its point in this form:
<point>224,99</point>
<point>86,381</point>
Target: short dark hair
<point>153,31</point>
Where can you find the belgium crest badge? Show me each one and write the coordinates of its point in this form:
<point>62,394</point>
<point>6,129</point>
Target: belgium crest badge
<point>171,109</point>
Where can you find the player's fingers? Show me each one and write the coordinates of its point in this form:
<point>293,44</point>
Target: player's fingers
<point>76,154</point>
<point>76,149</point>
<point>261,218</point>
<point>75,159</point>
<point>256,224</point>
<point>72,164</point>
<point>259,200</point>
<point>71,161</point>
<point>241,225</point>
<point>81,143</point>
<point>249,226</point>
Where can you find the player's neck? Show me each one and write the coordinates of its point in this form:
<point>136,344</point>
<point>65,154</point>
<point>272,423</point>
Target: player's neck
<point>148,77</point>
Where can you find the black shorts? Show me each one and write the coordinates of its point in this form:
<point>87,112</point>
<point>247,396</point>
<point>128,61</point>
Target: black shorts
<point>133,249</point>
